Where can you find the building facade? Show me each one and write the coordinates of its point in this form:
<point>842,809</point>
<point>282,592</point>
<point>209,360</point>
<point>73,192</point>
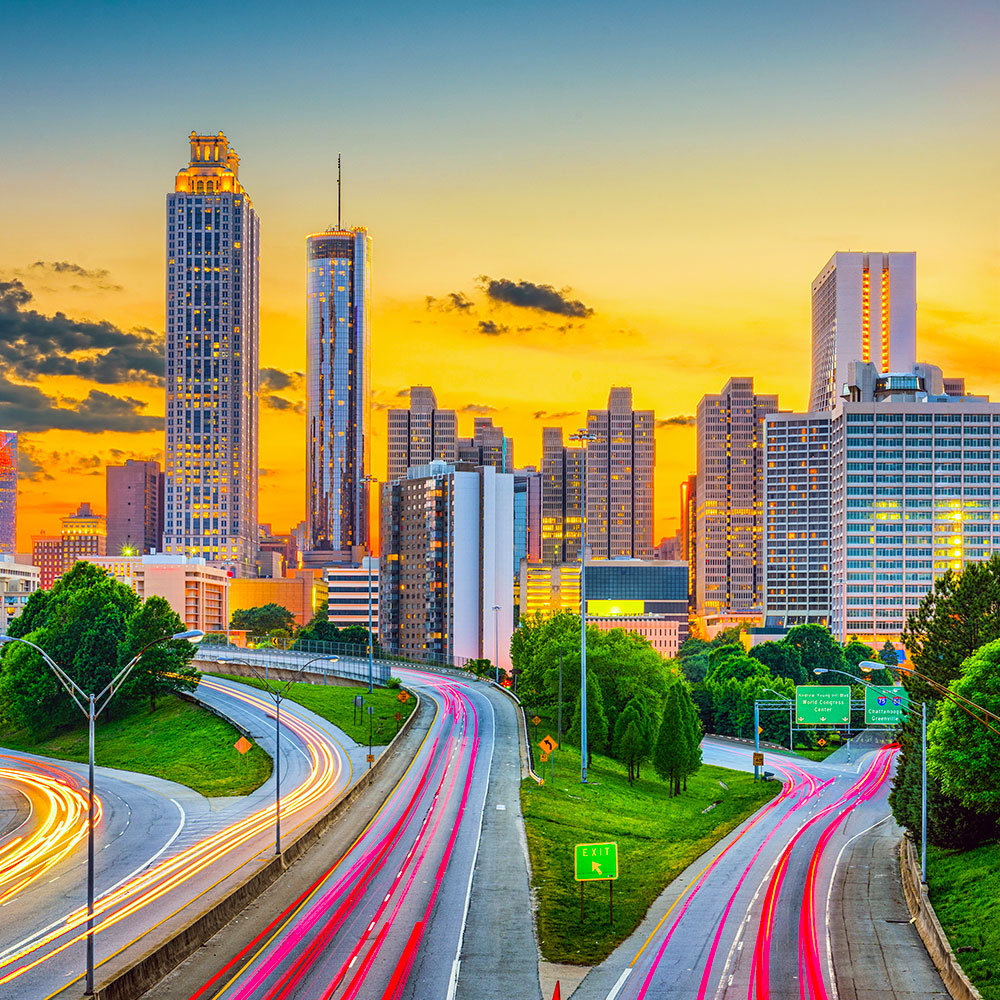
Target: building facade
<point>864,308</point>
<point>47,555</point>
<point>619,494</point>
<point>338,333</point>
<point>729,566</point>
<point>134,494</point>
<point>83,534</point>
<point>8,493</point>
<point>18,581</point>
<point>562,509</point>
<point>527,516</point>
<point>447,535</point>
<point>637,588</point>
<point>421,434</point>
<point>352,594</point>
<point>547,588</point>
<point>663,633</point>
<point>797,539</point>
<point>212,361</point>
<point>302,591</point>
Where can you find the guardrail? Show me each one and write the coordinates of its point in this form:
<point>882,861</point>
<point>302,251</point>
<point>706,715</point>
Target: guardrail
<point>353,668</point>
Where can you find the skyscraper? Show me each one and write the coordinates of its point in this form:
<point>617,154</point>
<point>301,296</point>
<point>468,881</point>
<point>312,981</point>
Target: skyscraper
<point>135,507</point>
<point>562,476</point>
<point>620,479</point>
<point>728,530</point>
<point>421,434</point>
<point>864,308</point>
<point>212,360</point>
<point>338,330</point>
<point>8,492</point>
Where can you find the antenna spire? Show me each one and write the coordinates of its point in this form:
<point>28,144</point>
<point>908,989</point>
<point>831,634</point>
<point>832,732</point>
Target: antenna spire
<point>338,191</point>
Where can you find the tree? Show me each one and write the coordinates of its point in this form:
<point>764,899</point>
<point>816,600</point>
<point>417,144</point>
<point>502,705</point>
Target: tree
<point>817,647</point>
<point>691,728</point>
<point>633,737</point>
<point>732,662</point>
<point>889,655</point>
<point>165,666</point>
<point>260,621</point>
<point>670,754</point>
<point>782,659</point>
<point>631,749</point>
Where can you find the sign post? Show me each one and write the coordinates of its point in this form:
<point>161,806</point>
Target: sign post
<point>597,863</point>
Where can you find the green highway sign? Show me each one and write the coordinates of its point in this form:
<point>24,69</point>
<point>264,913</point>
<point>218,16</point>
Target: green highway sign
<point>884,706</point>
<point>596,861</point>
<point>818,705</point>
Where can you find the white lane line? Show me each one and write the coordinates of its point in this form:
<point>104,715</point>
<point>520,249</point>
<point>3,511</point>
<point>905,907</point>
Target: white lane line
<point>829,894</point>
<point>622,980</point>
<point>453,981</point>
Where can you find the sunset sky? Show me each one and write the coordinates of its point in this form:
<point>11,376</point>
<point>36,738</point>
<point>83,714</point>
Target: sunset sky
<point>680,171</point>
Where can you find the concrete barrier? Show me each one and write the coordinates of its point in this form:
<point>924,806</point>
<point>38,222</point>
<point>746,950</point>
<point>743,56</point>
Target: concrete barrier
<point>137,977</point>
<point>929,927</point>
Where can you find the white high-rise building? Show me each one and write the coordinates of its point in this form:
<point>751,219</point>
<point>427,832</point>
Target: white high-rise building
<point>864,308</point>
<point>212,362</point>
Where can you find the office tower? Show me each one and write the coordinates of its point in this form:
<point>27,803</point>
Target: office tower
<point>562,475</point>
<point>421,434</point>
<point>797,550</point>
<point>47,555</point>
<point>728,516</point>
<point>487,446</point>
<point>864,308</point>
<point>17,583</point>
<point>338,331</point>
<point>620,479</point>
<point>134,493</point>
<point>527,515</point>
<point>212,361</point>
<point>689,519</point>
<point>349,599</point>
<point>8,492</point>
<point>83,534</point>
<point>548,588</point>
<point>447,536</point>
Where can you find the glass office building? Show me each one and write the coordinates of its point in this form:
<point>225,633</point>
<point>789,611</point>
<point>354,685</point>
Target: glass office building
<point>338,324</point>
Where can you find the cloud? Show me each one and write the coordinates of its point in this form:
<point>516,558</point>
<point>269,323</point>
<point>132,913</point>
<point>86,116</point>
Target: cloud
<point>452,302</point>
<point>559,415</point>
<point>679,421</point>
<point>403,393</point>
<point>33,345</point>
<point>280,403</point>
<point>492,329</point>
<point>100,278</point>
<point>32,466</point>
<point>29,409</point>
<point>480,408</point>
<point>527,295</point>
<point>274,380</point>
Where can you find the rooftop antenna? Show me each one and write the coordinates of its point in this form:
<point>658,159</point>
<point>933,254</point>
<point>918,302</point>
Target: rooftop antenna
<point>338,190</point>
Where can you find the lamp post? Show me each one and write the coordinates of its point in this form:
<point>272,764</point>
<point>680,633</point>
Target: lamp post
<point>95,704</point>
<point>584,436</point>
<point>496,640</point>
<point>368,481</point>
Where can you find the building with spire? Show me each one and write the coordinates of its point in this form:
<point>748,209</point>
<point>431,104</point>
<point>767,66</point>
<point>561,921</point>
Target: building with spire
<point>212,361</point>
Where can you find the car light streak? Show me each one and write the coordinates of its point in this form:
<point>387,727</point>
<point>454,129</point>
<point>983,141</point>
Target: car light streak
<point>129,899</point>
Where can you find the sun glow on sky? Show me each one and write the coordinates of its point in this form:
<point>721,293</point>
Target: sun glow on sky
<point>682,172</point>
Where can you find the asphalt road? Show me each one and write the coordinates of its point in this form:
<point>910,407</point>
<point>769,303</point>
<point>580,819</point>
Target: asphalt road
<point>387,918</point>
<point>749,919</point>
<point>160,845</point>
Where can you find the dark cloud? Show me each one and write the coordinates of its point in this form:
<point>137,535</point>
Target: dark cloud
<point>528,295</point>
<point>29,409</point>
<point>31,464</point>
<point>545,415</point>
<point>679,421</point>
<point>480,408</point>
<point>403,394</point>
<point>99,278</point>
<point>452,302</point>
<point>275,380</point>
<point>491,328</point>
<point>280,403</point>
<point>33,345</point>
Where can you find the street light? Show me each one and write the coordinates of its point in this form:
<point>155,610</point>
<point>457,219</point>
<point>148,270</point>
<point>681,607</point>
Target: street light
<point>91,712</point>
<point>496,640</point>
<point>584,436</point>
<point>368,481</point>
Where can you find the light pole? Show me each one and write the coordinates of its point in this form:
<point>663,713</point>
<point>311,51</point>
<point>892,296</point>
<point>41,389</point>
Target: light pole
<point>584,436</point>
<point>96,703</point>
<point>368,481</point>
<point>496,640</point>
<point>559,723</point>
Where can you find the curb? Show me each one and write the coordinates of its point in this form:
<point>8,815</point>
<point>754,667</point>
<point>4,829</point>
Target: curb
<point>929,927</point>
<point>157,962</point>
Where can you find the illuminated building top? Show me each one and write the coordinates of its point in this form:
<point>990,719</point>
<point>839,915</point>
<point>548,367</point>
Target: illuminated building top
<point>214,167</point>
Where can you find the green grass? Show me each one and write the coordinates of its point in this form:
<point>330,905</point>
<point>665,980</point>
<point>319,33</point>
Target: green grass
<point>657,837</point>
<point>179,741</point>
<point>818,754</point>
<point>965,892</point>
<point>335,703</point>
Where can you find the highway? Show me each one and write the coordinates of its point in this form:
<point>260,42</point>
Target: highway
<point>159,845</point>
<point>750,919</point>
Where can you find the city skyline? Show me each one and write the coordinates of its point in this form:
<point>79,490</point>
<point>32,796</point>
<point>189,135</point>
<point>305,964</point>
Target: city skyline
<point>719,194</point>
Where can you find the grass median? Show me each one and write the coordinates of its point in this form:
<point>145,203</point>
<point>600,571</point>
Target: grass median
<point>965,893</point>
<point>179,741</point>
<point>335,703</point>
<point>657,837</point>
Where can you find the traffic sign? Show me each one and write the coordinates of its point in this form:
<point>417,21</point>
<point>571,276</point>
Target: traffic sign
<point>543,757</point>
<point>548,744</point>
<point>243,745</point>
<point>370,757</point>
<point>758,760</point>
<point>884,706</point>
<point>535,721</point>
<point>816,704</point>
<point>403,696</point>
<point>821,742</point>
<point>596,861</point>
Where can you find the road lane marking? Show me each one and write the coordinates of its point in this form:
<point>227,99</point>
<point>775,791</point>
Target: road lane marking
<point>622,980</point>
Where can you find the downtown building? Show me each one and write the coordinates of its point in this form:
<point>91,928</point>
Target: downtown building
<point>728,514</point>
<point>83,535</point>
<point>8,493</point>
<point>338,395</point>
<point>421,434</point>
<point>352,594</point>
<point>134,495</point>
<point>562,506</point>
<point>446,586</point>
<point>212,361</point>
